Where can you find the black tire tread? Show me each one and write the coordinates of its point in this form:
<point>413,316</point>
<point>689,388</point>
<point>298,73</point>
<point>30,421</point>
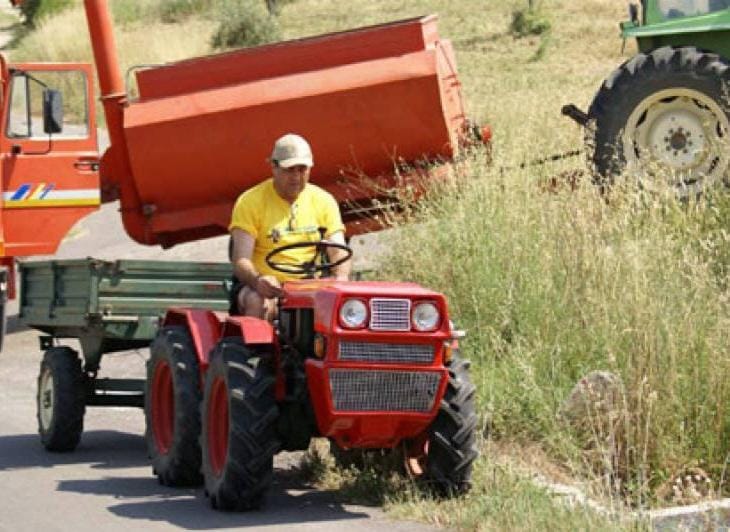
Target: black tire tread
<point>181,465</point>
<point>452,436</point>
<point>69,399</point>
<point>253,440</point>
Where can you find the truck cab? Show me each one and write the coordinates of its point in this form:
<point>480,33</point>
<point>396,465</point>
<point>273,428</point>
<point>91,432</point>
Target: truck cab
<point>50,176</point>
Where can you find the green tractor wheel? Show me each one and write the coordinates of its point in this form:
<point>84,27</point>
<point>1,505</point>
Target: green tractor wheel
<point>662,117</point>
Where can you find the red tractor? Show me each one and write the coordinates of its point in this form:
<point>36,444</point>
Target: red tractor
<point>369,365</point>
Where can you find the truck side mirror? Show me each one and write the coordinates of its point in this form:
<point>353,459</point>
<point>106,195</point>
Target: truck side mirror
<point>52,111</point>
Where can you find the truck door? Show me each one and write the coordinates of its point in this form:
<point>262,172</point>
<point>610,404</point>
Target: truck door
<point>50,175</point>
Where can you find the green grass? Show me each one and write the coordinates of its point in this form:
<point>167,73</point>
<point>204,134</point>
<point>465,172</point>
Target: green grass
<point>550,284</point>
<point>503,498</point>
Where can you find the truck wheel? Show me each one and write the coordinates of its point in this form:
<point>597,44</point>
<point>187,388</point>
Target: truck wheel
<point>61,399</point>
<point>172,401</point>
<point>239,438</point>
<point>444,456</point>
<point>663,117</point>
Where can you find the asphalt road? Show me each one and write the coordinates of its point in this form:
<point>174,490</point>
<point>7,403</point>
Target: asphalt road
<point>107,483</point>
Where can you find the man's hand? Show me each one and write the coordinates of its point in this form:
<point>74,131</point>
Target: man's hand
<point>268,286</point>
<point>341,272</point>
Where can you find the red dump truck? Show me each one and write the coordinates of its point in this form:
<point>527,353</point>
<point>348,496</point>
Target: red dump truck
<point>368,365</point>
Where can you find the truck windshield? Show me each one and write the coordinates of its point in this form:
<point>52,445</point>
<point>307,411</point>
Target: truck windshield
<point>25,117</point>
<point>687,8</point>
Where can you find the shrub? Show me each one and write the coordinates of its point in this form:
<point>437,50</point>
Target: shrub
<point>177,10</point>
<point>244,23</point>
<point>35,10</point>
<point>274,6</point>
<point>529,22</point>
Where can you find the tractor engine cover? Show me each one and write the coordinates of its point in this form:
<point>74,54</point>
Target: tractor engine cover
<point>380,383</point>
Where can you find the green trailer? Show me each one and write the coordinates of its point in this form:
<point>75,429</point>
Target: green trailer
<point>107,307</point>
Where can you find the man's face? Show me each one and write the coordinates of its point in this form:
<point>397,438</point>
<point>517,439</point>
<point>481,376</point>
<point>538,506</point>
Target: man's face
<point>289,182</point>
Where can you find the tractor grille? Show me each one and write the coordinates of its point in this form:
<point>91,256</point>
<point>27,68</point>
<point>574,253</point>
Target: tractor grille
<point>386,353</point>
<point>390,314</point>
<point>390,391</point>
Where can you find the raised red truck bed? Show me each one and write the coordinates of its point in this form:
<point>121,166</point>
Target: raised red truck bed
<point>365,99</point>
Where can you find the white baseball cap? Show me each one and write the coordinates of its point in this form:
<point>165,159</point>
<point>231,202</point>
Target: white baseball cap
<point>292,150</point>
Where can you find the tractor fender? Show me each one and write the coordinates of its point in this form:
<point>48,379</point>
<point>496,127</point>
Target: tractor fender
<point>204,326</point>
<point>254,332</point>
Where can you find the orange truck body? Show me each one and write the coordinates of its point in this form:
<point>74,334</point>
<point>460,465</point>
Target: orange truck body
<point>368,100</point>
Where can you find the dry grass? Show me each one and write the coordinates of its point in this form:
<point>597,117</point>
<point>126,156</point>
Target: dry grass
<point>550,285</point>
<point>65,38</point>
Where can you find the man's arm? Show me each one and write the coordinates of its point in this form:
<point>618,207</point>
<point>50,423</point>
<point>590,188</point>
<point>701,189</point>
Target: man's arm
<point>243,268</point>
<point>341,272</point>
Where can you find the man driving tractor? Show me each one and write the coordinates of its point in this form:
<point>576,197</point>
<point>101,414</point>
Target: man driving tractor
<point>283,210</point>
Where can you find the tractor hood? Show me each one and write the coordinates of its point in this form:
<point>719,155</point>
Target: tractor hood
<point>656,23</point>
<point>390,302</point>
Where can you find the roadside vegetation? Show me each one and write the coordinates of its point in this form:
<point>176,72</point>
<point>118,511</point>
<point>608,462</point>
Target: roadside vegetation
<point>551,280</point>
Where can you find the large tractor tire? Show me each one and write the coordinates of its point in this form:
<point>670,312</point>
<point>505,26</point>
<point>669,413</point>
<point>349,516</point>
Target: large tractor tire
<point>662,117</point>
<point>239,438</point>
<point>172,408</point>
<point>444,456</point>
<point>61,399</point>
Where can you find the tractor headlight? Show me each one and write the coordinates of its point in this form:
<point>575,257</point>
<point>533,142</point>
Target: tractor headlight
<point>425,317</point>
<point>353,314</point>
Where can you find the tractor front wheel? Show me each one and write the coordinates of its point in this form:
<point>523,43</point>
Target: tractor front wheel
<point>239,437</point>
<point>172,402</point>
<point>443,457</point>
<point>61,399</point>
<point>662,117</point>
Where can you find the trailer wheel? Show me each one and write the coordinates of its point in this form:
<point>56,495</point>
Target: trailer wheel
<point>172,401</point>
<point>60,399</point>
<point>239,438</point>
<point>443,457</point>
<point>663,118</point>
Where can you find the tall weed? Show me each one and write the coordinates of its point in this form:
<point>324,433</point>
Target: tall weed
<point>553,285</point>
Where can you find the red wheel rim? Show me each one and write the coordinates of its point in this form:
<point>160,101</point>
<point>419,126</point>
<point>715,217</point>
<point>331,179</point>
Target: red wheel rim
<point>163,407</point>
<point>218,426</point>
<point>416,456</point>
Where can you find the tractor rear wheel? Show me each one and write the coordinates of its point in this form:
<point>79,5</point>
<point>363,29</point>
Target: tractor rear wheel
<point>443,457</point>
<point>61,399</point>
<point>172,402</point>
<point>663,118</point>
<point>239,437</point>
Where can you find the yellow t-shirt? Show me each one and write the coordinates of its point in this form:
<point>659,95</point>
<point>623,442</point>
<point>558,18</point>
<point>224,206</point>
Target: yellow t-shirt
<point>274,222</point>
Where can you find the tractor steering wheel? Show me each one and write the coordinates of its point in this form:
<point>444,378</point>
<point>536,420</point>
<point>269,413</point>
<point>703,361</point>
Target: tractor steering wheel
<point>308,268</point>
